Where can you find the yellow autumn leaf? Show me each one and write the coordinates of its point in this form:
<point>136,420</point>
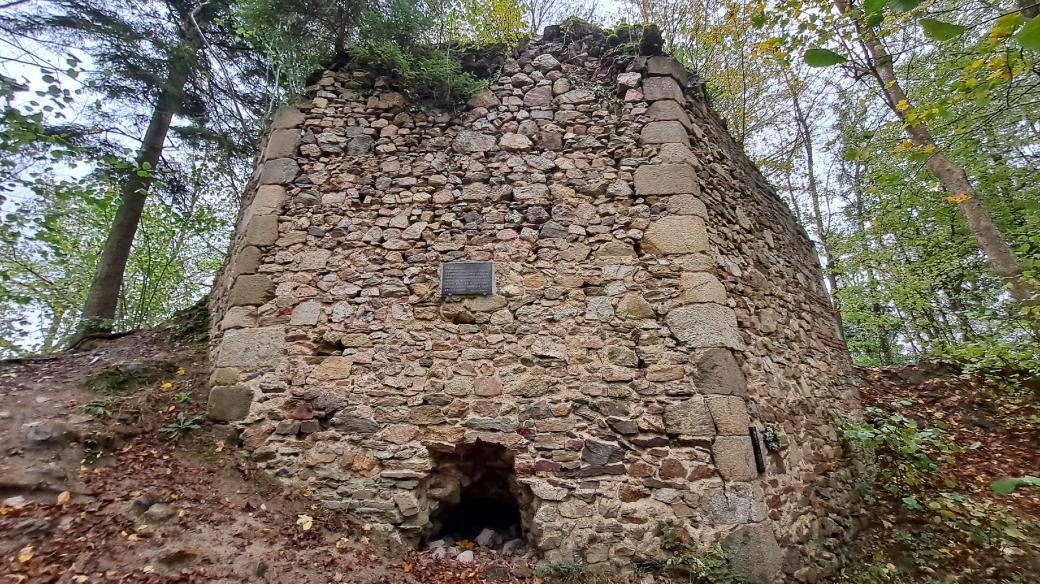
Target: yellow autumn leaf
<point>903,105</point>
<point>25,554</point>
<point>166,386</point>
<point>974,66</point>
<point>342,543</point>
<point>957,199</point>
<point>181,371</point>
<point>466,544</point>
<point>971,83</point>
<point>64,497</point>
<point>407,568</point>
<point>306,522</point>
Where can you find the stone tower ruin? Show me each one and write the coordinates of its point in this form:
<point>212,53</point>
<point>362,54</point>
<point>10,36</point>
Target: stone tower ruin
<point>572,304</point>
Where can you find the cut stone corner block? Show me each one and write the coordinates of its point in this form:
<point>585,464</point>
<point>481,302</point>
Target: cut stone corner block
<point>664,65</point>
<point>705,325</point>
<point>666,179</point>
<point>251,290</point>
<point>287,117</point>
<point>229,403</point>
<point>734,457</point>
<point>754,552</point>
<point>666,132</point>
<point>657,88</point>
<point>676,234</point>
<point>251,348</point>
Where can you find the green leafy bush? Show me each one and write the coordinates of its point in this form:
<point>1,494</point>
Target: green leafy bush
<point>432,74</point>
<point>690,559</point>
<point>907,454</point>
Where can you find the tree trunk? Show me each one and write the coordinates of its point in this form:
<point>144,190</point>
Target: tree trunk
<point>814,192</point>
<point>1029,8</point>
<point>953,177</point>
<point>100,309</point>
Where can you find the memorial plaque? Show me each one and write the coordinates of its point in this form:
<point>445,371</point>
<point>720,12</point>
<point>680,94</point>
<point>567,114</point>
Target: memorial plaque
<point>467,279</point>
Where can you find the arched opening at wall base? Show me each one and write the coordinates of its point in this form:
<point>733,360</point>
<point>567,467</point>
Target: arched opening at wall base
<point>476,501</point>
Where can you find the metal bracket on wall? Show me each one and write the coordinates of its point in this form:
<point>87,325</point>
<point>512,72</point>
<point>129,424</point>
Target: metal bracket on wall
<point>756,447</point>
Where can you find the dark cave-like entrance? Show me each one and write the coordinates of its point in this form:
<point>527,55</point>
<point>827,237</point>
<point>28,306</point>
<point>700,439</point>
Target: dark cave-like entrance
<point>473,490</point>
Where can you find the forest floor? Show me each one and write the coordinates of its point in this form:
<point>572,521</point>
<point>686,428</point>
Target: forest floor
<point>109,473</point>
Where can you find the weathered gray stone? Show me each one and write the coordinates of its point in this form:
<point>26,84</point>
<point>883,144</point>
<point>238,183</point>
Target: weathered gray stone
<point>755,555</point>
<point>282,144</point>
<point>515,142</point>
<point>655,88</point>
<point>678,234</point>
<point>239,317</point>
<point>245,261</point>
<point>666,179</point>
<point>354,424</point>
<point>622,356</point>
<point>545,62</point>
<point>599,308</point>
<point>730,414</point>
<point>664,133</point>
<point>699,287</point>
<point>734,457</point>
<point>287,117</point>
<point>689,418</point>
<point>492,424</point>
<point>667,110</point>
<point>268,200</point>
<point>251,347</point>
<point>539,96</point>
<point>333,368</point>
<point>633,306</point>
<point>280,171</point>
<point>470,141</point>
<point>677,154</point>
<point>735,503</point>
<point>484,98</point>
<point>718,372</point>
<point>687,205</point>
<point>577,96</point>
<point>667,66</point>
<point>306,313</point>
<point>228,403</point>
<point>705,325</point>
<point>251,289</point>
<point>601,452</point>
<point>261,230</point>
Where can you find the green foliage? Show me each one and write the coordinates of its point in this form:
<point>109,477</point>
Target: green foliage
<point>1029,35</point>
<point>1008,486</point>
<point>940,31</point>
<point>181,426</point>
<point>571,573</point>
<point>823,58</point>
<point>97,409</point>
<point>690,559</point>
<point>430,74</point>
<point>907,455</point>
<point>185,397</point>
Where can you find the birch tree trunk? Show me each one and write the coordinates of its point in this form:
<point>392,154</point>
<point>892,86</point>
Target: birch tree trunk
<point>954,179</point>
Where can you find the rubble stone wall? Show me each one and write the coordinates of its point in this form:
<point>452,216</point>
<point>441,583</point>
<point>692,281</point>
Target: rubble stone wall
<point>654,299</point>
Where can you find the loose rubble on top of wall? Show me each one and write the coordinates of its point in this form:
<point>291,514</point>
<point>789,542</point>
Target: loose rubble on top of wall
<point>654,301</point>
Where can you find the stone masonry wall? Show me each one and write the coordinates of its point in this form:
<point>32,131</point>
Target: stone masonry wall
<point>654,299</point>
